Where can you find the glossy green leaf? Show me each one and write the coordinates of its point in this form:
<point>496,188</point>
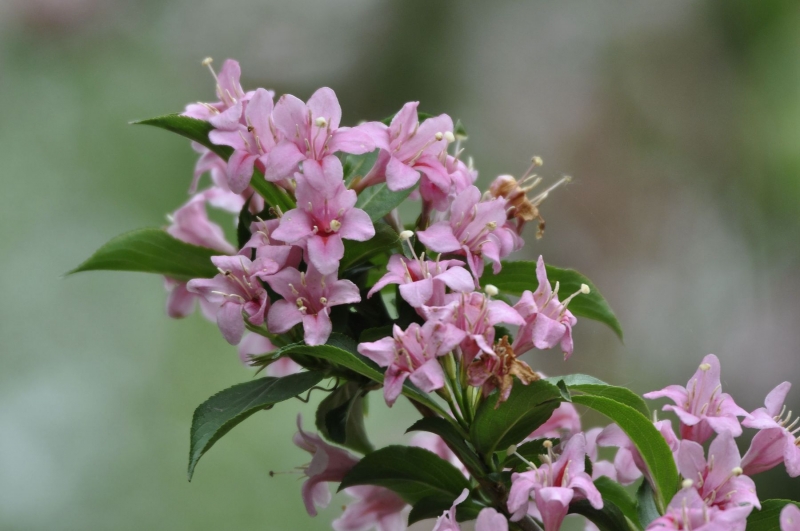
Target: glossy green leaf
<point>356,253</point>
<point>648,440</point>
<point>411,472</point>
<point>453,438</point>
<point>433,507</point>
<point>272,194</point>
<point>357,166</point>
<point>378,200</point>
<point>589,385</point>
<point>222,412</point>
<point>190,128</point>
<point>152,251</point>
<point>769,517</point>
<point>517,277</point>
<point>340,417</point>
<point>527,408</point>
<point>617,494</point>
<point>646,508</point>
<point>609,518</point>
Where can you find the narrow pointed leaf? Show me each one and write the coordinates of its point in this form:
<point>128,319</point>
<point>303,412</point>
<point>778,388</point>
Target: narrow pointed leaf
<point>617,494</point>
<point>516,277</point>
<point>152,251</point>
<point>222,412</point>
<point>191,128</point>
<point>589,385</point>
<point>413,473</point>
<point>272,194</point>
<point>378,200</point>
<point>357,166</point>
<point>340,417</point>
<point>455,440</point>
<point>646,508</point>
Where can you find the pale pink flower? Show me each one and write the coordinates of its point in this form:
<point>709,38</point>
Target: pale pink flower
<point>311,131</point>
<point>324,215</point>
<point>328,464</point>
<point>554,485</point>
<point>599,467</point>
<point>229,91</point>
<point>308,298</point>
<point>688,512</point>
<point>476,229</point>
<point>439,188</point>
<point>777,441</point>
<point>422,282</point>
<point>376,508</point>
<point>718,479</point>
<point>238,291</point>
<point>413,354</point>
<point>628,462</point>
<point>448,522</point>
<point>490,520</point>
<point>563,423</point>
<point>790,518</point>
<point>701,406</point>
<point>408,148</point>
<point>548,322</point>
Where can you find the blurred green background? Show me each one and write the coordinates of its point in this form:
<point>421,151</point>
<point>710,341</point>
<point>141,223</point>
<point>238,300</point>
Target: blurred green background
<point>679,121</point>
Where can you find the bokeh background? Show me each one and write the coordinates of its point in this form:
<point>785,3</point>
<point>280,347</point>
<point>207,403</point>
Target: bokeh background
<point>679,121</point>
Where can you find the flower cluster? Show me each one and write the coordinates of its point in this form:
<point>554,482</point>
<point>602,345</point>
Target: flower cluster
<point>326,282</point>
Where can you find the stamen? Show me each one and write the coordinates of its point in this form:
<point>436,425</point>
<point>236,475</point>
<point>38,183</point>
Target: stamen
<point>335,225</point>
<point>450,137</point>
<point>491,290</point>
<point>585,290</point>
<point>321,122</point>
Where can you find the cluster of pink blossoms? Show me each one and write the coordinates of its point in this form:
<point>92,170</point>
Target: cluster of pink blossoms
<point>284,280</point>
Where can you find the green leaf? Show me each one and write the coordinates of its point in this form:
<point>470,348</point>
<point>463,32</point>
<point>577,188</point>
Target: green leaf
<point>191,128</point>
<point>340,417</point>
<point>589,385</point>
<point>527,408</point>
<point>152,251</point>
<point>609,518</point>
<point>647,439</point>
<point>646,508</point>
<point>374,334</point>
<point>455,440</point>
<point>219,414</point>
<point>272,194</point>
<point>355,253</point>
<point>516,277</point>
<point>768,518</point>
<point>378,200</point>
<point>411,472</point>
<point>354,166</point>
<point>531,451</point>
<point>434,506</point>
<point>617,494</point>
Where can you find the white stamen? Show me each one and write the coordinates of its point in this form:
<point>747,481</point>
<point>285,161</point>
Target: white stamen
<point>585,289</point>
<point>439,136</point>
<point>450,137</point>
<point>406,235</point>
<point>705,366</point>
<point>491,290</point>
<point>336,225</point>
<point>687,483</point>
<point>321,122</point>
<point>537,160</point>
<point>323,301</point>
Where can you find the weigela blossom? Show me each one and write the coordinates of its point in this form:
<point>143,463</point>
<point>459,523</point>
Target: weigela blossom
<point>790,518</point>
<point>423,282</point>
<point>778,440</point>
<point>688,512</point>
<point>229,91</point>
<point>375,508</point>
<point>413,354</point>
<point>325,215</point>
<point>701,406</point>
<point>548,322</point>
<point>328,464</point>
<point>498,370</point>
<point>475,229</point>
<point>554,485</point>
<point>307,298</point>
<point>628,461</point>
<point>437,188</point>
<point>562,424</point>
<point>311,131</point>
<point>448,521</point>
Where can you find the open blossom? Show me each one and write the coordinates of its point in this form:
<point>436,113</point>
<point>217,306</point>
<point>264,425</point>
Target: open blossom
<point>422,282</point>
<point>701,406</point>
<point>307,298</point>
<point>311,131</point>
<point>554,485</point>
<point>548,322</point>
<point>688,512</point>
<point>790,518</point>
<point>448,521</point>
<point>628,462</point>
<point>488,519</point>
<point>476,229</point>
<point>413,354</point>
<point>229,91</point>
<point>563,423</point>
<point>497,371</point>
<point>778,440</point>
<point>376,508</point>
<point>408,148</point>
<point>238,291</point>
<point>324,215</point>
<point>438,187</point>
<point>328,464</point>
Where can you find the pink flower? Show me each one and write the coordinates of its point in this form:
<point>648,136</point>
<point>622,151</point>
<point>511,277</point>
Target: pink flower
<point>324,215</point>
<point>408,148</point>
<point>422,282</point>
<point>599,467</point>
<point>229,91</point>
<point>563,423</point>
<point>554,485</point>
<point>311,132</point>
<point>307,298</point>
<point>257,345</point>
<point>328,464</point>
<point>701,406</point>
<point>790,518</point>
<point>628,462</point>
<point>238,290</point>
<point>413,354</point>
<point>448,522</point>
<point>777,441</point>
<point>476,229</point>
<point>377,508</point>
<point>719,480</point>
<point>490,520</point>
<point>688,512</point>
<point>438,187</point>
<point>547,321</point>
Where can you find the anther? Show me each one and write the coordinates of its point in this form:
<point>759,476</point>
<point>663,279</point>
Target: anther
<point>536,160</point>
<point>491,290</point>
<point>323,301</point>
<point>450,137</point>
<point>737,471</point>
<point>439,136</point>
<point>335,225</point>
<point>687,483</point>
<point>705,366</point>
<point>406,235</point>
<point>321,122</point>
<point>491,225</point>
<point>207,61</point>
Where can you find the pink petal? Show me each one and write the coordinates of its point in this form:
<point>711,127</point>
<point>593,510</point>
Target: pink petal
<point>393,384</point>
<point>790,518</point>
<point>240,170</point>
<point>546,332</point>
<point>766,451</point>
<point>254,345</point>
<point>381,352</point>
<point>230,322</point>
<point>325,252</point>
<point>791,457</point>
<point>342,292</point>
<point>417,293</point>
<point>282,161</point>
<point>290,113</point>
<point>180,302</point>
<point>357,225</point>
<point>691,460</point>
<point>355,141</point>
<point>400,176</point>
<point>490,520</point>
<point>295,225</point>
<point>317,328</point>
<point>553,503</point>
<point>776,398</point>
<point>676,393</point>
<point>324,103</point>
<point>378,133</point>
<point>429,376</point>
<point>439,237</point>
<point>282,316</point>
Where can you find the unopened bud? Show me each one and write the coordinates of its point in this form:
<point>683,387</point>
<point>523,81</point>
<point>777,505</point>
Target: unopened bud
<point>449,136</point>
<point>491,290</point>
<point>439,136</point>
<point>406,235</point>
<point>687,483</point>
<point>321,122</point>
<point>585,289</point>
